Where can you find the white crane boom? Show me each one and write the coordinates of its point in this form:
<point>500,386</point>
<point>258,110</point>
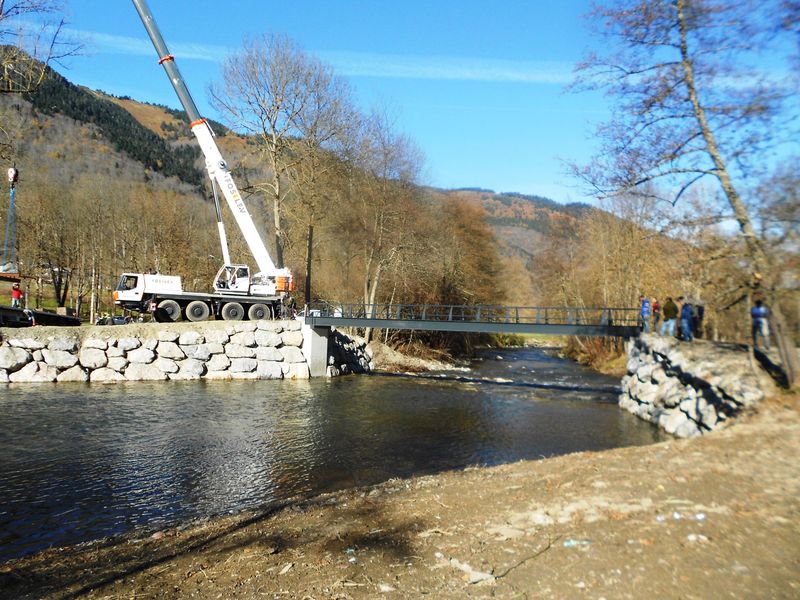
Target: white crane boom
<point>215,164</point>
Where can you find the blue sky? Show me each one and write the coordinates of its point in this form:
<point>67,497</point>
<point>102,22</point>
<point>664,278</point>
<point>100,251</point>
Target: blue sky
<point>478,85</point>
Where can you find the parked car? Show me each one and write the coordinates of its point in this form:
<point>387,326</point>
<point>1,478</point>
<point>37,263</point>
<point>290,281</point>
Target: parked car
<point>113,320</point>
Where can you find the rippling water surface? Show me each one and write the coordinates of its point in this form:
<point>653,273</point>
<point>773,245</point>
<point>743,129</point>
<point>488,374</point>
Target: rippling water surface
<point>80,462</point>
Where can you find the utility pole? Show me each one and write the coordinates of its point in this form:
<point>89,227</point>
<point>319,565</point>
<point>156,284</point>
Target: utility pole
<point>9,264</point>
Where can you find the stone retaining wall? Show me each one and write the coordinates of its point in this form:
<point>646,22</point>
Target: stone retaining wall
<point>689,389</point>
<point>159,351</point>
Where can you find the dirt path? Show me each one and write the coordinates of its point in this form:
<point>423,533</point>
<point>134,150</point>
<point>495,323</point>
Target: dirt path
<point>711,517</point>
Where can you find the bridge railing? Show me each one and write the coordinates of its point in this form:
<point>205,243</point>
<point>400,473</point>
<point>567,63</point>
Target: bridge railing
<point>534,315</point>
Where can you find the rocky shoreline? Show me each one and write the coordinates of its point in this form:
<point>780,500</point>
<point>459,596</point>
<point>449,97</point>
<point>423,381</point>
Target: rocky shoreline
<point>691,389</point>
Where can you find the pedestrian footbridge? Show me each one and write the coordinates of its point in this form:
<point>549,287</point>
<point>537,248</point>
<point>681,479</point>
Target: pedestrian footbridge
<point>520,320</point>
<point>606,322</point>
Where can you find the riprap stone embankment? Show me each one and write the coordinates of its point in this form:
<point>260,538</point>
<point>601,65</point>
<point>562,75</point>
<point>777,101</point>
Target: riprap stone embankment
<point>689,389</point>
<point>159,351</point>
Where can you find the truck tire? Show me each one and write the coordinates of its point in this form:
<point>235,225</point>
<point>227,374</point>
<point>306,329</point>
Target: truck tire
<point>168,310</point>
<point>257,312</point>
<point>197,310</point>
<point>232,311</point>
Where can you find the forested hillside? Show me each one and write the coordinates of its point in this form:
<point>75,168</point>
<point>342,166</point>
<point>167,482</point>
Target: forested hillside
<point>57,96</point>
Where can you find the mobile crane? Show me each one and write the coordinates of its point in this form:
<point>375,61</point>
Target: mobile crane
<point>237,293</point>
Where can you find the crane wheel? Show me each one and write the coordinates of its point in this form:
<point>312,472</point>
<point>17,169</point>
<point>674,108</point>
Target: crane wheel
<point>168,311</point>
<point>197,310</point>
<point>257,312</point>
<point>232,311</point>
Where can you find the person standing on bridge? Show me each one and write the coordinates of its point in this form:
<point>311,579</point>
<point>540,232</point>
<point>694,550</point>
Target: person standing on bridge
<point>16,296</point>
<point>644,313</point>
<point>670,316</point>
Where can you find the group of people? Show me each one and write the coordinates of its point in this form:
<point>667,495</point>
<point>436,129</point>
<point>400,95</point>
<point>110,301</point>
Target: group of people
<point>688,316</point>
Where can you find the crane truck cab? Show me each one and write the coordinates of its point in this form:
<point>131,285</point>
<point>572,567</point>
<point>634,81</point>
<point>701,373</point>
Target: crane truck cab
<point>236,279</point>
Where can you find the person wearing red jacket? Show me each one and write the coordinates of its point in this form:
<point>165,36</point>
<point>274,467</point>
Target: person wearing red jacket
<point>16,296</point>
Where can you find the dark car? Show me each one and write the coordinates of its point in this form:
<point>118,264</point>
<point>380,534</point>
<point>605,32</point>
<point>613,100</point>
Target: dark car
<point>113,320</point>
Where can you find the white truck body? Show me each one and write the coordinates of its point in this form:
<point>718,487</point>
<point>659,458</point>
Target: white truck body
<point>233,299</point>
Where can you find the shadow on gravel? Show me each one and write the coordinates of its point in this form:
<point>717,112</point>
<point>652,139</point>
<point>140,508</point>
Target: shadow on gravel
<point>169,560</point>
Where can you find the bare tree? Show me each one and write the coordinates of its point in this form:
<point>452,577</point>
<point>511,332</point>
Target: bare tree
<point>279,94</point>
<point>689,109</point>
<point>31,39</point>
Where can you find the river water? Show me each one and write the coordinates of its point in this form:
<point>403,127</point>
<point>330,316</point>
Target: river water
<point>81,462</point>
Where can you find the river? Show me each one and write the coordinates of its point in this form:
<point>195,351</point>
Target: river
<point>80,462</point>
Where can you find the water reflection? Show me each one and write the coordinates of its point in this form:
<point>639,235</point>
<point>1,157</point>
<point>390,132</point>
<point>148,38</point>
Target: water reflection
<point>78,462</point>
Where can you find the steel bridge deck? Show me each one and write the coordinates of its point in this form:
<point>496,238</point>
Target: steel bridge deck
<point>603,322</point>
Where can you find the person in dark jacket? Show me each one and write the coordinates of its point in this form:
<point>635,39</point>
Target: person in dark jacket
<point>670,312</point>
<point>686,319</point>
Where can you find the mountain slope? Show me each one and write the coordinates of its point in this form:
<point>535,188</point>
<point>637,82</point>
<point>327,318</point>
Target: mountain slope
<point>118,126</point>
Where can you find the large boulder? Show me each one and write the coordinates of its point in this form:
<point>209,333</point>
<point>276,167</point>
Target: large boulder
<point>292,338</point>
<point>269,370</point>
<point>268,354</point>
<point>244,338</point>
<point>191,368</point>
<point>291,354</point>
<point>96,343</point>
<point>127,344</point>
<point>105,375</point>
<point>275,326</point>
<point>118,363</point>
<point>297,371</point>
<point>167,335</point>
<point>197,351</point>
<point>34,372</point>
<point>76,373</point>
<point>217,336</point>
<point>268,339</point>
<point>170,350</point>
<point>218,362</point>
<point>141,355</point>
<point>63,343</point>
<point>144,372</point>
<point>26,343</point>
<point>60,359</point>
<point>190,338</point>
<point>166,365</point>
<point>239,351</point>
<point>14,358</point>
<point>243,365</point>
<point>92,358</point>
